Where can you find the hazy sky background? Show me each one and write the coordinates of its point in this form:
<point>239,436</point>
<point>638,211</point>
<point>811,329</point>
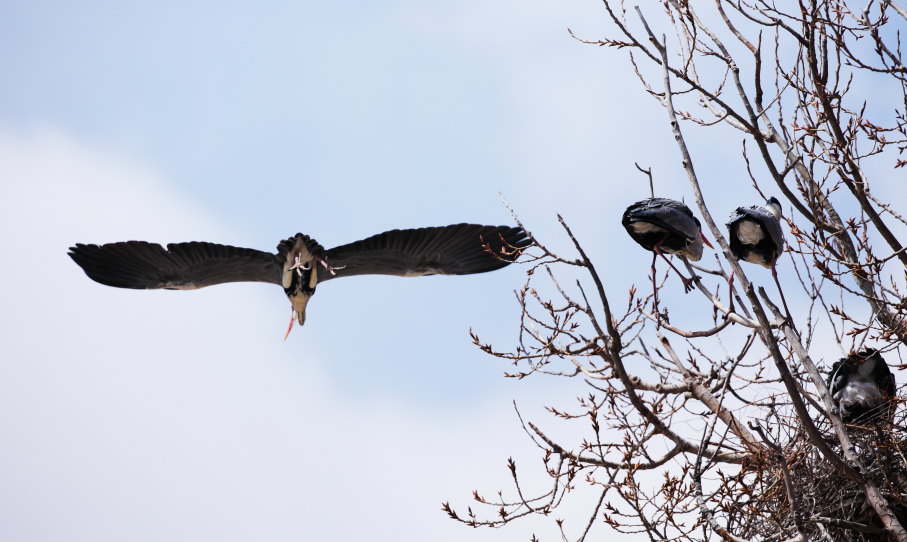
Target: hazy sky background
<point>131,415</point>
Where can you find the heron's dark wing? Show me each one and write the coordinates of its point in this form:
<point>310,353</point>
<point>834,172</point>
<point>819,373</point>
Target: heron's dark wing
<point>736,216</point>
<point>181,266</point>
<point>459,249</point>
<point>837,376</point>
<point>882,374</point>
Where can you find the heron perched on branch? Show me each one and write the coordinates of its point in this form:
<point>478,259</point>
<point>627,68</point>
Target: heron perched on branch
<point>756,237</point>
<point>666,226</point>
<point>300,263</point>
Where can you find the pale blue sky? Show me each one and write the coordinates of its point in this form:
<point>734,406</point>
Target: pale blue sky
<point>183,416</point>
<point>340,122</point>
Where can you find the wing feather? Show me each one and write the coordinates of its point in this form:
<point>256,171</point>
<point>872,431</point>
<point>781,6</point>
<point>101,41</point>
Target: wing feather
<point>457,249</point>
<point>182,266</point>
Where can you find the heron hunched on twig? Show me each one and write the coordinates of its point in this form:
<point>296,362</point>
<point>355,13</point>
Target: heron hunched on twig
<point>756,237</point>
<point>666,226</point>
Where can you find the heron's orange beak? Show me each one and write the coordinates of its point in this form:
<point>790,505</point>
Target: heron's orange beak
<point>289,327</point>
<point>299,302</point>
<point>706,241</point>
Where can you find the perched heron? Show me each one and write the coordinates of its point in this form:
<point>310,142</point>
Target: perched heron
<point>300,263</point>
<point>862,386</point>
<point>666,226</point>
<point>756,237</point>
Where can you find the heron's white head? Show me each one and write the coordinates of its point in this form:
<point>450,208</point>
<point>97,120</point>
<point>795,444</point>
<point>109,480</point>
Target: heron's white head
<point>299,302</point>
<point>774,207</point>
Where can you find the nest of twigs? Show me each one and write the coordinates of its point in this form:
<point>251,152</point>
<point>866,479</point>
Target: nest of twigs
<point>830,506</point>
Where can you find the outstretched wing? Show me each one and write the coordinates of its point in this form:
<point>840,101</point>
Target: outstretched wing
<point>459,249</point>
<point>181,266</point>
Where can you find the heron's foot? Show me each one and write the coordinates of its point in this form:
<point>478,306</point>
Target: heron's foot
<point>331,269</point>
<point>663,316</point>
<point>299,266</point>
<point>689,282</point>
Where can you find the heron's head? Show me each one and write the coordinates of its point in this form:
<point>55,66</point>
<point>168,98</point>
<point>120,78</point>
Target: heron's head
<point>693,251</point>
<point>299,302</point>
<point>299,294</point>
<point>773,206</point>
<point>694,245</point>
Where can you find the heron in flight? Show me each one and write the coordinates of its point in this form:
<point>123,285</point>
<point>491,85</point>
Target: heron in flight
<point>300,263</point>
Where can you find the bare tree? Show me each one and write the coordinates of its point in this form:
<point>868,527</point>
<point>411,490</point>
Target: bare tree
<point>745,441</point>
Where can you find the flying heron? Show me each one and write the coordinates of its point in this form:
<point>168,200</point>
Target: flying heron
<point>300,263</point>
